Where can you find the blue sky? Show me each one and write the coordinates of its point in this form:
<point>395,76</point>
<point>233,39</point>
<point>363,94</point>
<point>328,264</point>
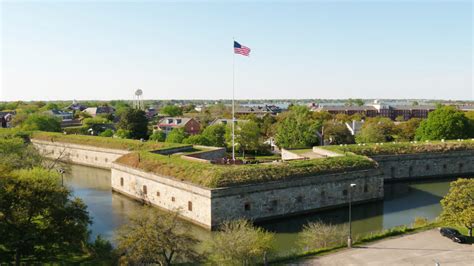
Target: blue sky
<point>315,49</point>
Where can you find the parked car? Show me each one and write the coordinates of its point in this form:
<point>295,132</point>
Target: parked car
<point>452,234</point>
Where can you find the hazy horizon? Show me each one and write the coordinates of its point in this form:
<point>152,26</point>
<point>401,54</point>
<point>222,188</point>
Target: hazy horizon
<point>66,50</point>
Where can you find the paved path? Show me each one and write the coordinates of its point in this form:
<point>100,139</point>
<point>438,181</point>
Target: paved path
<point>425,248</point>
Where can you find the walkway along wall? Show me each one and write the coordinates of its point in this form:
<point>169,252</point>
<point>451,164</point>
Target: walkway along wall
<point>79,154</point>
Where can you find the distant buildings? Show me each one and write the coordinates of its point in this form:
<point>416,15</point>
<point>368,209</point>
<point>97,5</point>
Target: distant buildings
<point>379,110</point>
<point>258,110</point>
<point>94,111</point>
<point>63,115</point>
<point>226,121</point>
<point>75,106</point>
<point>190,125</point>
<point>6,118</point>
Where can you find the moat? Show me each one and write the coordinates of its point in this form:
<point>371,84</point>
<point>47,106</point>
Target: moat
<point>402,203</point>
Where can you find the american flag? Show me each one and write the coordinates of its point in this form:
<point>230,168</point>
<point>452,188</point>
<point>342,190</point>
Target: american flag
<point>240,49</point>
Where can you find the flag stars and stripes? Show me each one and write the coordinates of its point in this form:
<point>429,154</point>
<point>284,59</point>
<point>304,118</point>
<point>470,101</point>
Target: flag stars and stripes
<point>240,49</point>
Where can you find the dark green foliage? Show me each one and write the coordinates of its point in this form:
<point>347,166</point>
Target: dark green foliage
<point>158,136</point>
<point>297,129</point>
<point>248,136</point>
<point>101,248</point>
<point>176,135</point>
<point>407,130</point>
<point>107,133</point>
<point>377,130</point>
<point>444,123</point>
<point>197,140</point>
<point>135,121</point>
<point>337,133</point>
<point>42,122</point>
<point>171,110</point>
<point>38,217</point>
<point>215,134</point>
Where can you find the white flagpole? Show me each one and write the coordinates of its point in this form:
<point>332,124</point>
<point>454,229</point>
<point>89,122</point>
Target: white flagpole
<point>233,103</point>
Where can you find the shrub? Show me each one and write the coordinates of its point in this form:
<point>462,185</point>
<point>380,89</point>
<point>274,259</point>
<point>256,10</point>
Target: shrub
<point>239,243</point>
<point>159,136</point>
<point>107,133</point>
<point>319,235</point>
<point>420,222</point>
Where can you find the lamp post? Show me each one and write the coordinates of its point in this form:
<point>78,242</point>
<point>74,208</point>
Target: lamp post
<point>61,171</point>
<point>349,239</point>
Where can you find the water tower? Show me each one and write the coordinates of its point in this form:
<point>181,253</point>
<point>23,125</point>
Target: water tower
<point>138,101</point>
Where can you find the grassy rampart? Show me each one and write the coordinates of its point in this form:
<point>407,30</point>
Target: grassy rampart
<point>104,142</point>
<point>394,148</point>
<point>213,176</point>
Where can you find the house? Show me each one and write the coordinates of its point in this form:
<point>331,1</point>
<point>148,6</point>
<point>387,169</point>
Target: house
<point>367,111</point>
<point>6,118</point>
<point>75,106</point>
<point>258,110</point>
<point>94,111</point>
<point>63,115</point>
<point>190,125</point>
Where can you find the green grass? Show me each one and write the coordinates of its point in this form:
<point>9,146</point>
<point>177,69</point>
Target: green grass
<point>213,176</point>
<point>104,142</point>
<point>392,148</point>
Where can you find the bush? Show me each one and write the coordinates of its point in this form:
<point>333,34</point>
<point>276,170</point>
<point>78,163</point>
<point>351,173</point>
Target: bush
<point>420,222</point>
<point>122,134</point>
<point>107,133</point>
<point>42,122</point>
<point>101,248</point>
<point>159,136</point>
<point>239,243</point>
<point>319,235</point>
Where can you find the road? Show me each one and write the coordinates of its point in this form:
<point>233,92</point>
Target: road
<point>425,248</point>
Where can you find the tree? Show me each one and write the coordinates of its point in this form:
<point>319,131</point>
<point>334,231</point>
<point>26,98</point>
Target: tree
<point>458,204</point>
<point>248,136</point>
<point>444,123</point>
<point>151,237</point>
<point>16,154</point>
<point>176,135</point>
<point>158,136</point>
<point>38,217</point>
<point>337,133</point>
<point>342,118</point>
<point>107,133</point>
<point>122,134</point>
<point>470,116</point>
<point>42,122</point>
<point>267,126</point>
<point>135,121</point>
<point>239,243</point>
<point>297,128</point>
<point>171,110</point>
<point>97,124</point>
<point>215,134</point>
<point>198,139</point>
<point>377,130</point>
<point>407,130</point>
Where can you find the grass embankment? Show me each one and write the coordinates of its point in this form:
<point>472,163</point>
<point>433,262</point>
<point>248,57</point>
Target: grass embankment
<point>394,148</point>
<point>104,142</point>
<point>213,176</point>
<point>396,231</point>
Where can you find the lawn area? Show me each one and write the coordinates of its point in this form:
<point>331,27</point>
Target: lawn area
<point>214,176</point>
<point>394,148</point>
<point>104,142</point>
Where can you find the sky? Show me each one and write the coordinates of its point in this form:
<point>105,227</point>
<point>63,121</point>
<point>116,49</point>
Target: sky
<point>64,50</point>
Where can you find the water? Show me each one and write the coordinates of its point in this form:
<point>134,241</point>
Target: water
<point>403,202</point>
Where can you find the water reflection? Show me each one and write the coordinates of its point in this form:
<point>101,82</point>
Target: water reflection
<point>403,202</point>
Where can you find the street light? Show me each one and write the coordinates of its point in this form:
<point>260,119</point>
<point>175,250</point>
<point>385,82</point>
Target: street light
<point>61,171</point>
<point>349,239</point>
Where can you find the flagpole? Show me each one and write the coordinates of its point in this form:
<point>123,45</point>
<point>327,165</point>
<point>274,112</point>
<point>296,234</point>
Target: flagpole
<point>233,103</point>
